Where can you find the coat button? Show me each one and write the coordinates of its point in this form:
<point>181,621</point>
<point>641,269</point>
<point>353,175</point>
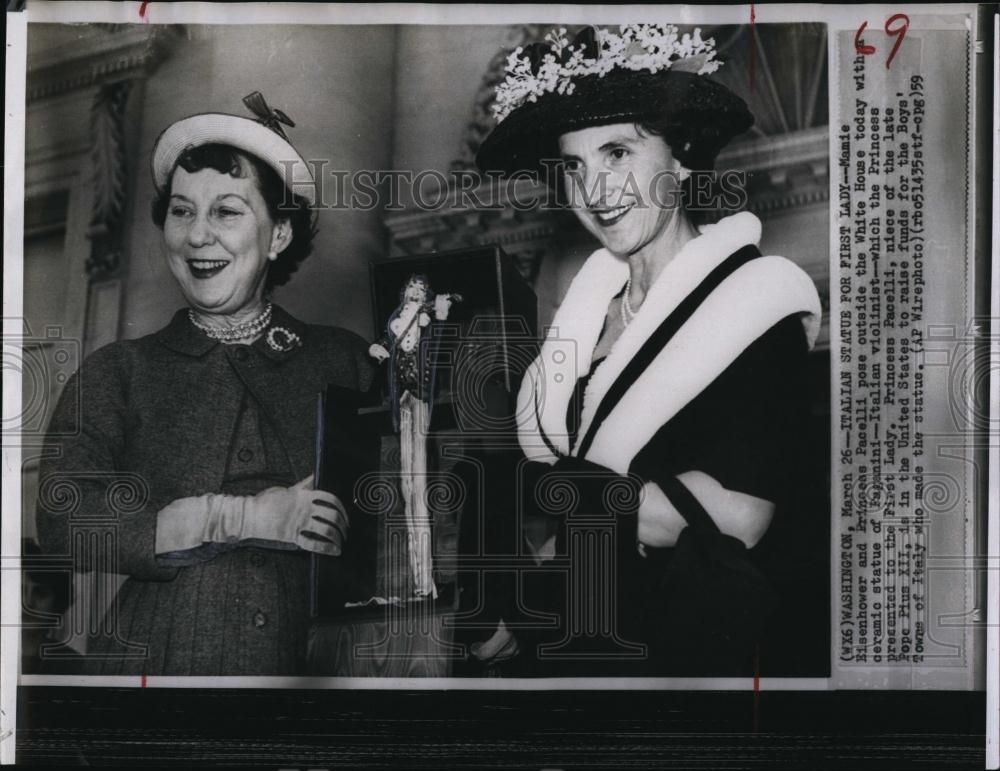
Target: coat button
<point>259,619</point>
<point>257,559</point>
<point>241,353</point>
<point>245,455</point>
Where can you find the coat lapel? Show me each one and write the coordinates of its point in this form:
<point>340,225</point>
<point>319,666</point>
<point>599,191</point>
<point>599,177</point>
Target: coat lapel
<point>283,384</point>
<point>712,338</point>
<point>287,389</point>
<point>744,307</point>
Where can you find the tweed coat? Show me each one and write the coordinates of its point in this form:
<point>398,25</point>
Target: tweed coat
<point>157,417</point>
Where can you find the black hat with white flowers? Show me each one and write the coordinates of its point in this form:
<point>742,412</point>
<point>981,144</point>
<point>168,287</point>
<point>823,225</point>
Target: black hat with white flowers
<point>647,72</point>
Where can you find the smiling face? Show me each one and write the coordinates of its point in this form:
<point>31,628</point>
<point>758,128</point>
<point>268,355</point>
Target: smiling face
<point>218,236</point>
<point>623,185</point>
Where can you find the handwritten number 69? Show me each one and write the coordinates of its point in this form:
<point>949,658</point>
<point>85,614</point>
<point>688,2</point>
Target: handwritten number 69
<point>895,26</point>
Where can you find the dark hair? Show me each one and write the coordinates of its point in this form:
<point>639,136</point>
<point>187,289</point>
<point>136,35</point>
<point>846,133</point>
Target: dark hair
<point>692,150</point>
<point>695,145</point>
<point>226,159</point>
<point>416,278</point>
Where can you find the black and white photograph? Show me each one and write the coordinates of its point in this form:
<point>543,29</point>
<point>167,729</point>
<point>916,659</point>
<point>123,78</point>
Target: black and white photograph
<point>198,417</point>
<point>478,356</point>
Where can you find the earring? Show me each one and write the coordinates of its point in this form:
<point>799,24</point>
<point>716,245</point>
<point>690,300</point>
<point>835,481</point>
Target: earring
<point>272,255</point>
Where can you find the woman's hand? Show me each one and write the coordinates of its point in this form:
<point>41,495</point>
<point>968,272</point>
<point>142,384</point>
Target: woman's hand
<point>378,352</point>
<point>660,523</point>
<point>311,519</point>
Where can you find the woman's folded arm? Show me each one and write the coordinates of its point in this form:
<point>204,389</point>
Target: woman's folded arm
<point>737,514</point>
<point>82,486</point>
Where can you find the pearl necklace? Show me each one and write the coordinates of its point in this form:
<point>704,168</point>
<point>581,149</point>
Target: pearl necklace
<point>244,331</point>
<point>626,306</point>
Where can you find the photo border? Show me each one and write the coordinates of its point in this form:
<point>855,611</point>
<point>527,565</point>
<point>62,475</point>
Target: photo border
<point>34,686</point>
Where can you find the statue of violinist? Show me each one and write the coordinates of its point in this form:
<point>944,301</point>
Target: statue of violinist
<point>406,345</point>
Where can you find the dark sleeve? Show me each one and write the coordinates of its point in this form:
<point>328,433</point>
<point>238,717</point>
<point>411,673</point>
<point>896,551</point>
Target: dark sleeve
<point>367,368</point>
<point>86,492</point>
<point>766,410</point>
<point>382,340</point>
<point>347,353</point>
<point>743,429</point>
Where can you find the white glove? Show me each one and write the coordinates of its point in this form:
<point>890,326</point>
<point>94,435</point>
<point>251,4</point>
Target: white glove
<point>313,520</point>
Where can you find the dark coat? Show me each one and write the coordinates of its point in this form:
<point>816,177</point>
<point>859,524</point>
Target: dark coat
<point>721,397</point>
<point>157,416</point>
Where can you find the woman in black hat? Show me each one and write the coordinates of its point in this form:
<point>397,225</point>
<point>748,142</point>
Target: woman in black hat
<point>658,408</point>
<point>192,461</point>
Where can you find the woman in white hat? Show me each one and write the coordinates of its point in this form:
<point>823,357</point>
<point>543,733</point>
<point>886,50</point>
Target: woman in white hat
<point>207,426</point>
<point>661,406</point>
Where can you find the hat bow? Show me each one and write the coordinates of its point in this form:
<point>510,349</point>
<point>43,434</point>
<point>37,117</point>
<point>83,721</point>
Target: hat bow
<point>270,117</point>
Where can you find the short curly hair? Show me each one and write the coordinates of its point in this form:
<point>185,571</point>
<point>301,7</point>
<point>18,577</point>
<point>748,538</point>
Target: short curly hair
<point>698,155</point>
<point>230,160</point>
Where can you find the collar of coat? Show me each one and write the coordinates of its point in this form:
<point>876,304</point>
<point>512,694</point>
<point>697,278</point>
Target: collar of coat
<point>747,304</point>
<point>184,337</point>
